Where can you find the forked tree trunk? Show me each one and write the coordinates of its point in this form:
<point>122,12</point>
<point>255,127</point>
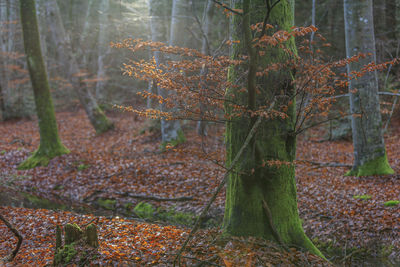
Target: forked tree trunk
<point>252,183</point>
<point>62,41</point>
<point>369,147</point>
<point>50,144</point>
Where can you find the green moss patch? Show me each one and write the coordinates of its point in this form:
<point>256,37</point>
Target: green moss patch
<point>83,166</point>
<point>37,202</point>
<point>108,204</point>
<point>144,210</point>
<point>391,203</point>
<point>362,197</point>
<point>65,255</point>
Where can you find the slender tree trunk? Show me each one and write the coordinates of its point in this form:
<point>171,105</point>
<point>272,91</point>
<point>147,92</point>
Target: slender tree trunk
<point>103,48</point>
<point>2,107</point>
<point>261,199</point>
<point>65,54</point>
<point>205,49</point>
<point>170,130</point>
<point>369,147</point>
<point>50,144</point>
<point>397,16</point>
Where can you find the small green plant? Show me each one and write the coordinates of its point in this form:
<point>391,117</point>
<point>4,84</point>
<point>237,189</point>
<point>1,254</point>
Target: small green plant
<point>2,152</point>
<point>176,217</point>
<point>362,197</point>
<point>83,166</point>
<point>391,203</point>
<point>144,210</point>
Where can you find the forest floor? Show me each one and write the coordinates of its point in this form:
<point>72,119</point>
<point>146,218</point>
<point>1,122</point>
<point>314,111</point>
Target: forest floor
<point>110,174</point>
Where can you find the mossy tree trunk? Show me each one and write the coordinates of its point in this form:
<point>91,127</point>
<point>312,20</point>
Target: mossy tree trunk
<point>261,200</point>
<point>50,144</point>
<point>67,59</point>
<point>369,147</point>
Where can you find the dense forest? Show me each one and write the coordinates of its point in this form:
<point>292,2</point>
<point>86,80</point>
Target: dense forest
<point>199,133</point>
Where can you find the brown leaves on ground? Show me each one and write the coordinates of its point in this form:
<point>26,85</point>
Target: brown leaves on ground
<point>124,160</point>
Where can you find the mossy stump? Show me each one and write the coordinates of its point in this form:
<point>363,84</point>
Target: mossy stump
<point>79,246</point>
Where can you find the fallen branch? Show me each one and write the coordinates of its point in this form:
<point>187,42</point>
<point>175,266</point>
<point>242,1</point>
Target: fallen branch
<point>154,198</point>
<point>220,186</point>
<point>203,262</point>
<point>17,234</point>
<point>325,164</point>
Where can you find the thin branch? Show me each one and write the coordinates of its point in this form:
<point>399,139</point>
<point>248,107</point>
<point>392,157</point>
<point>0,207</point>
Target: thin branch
<point>154,198</point>
<point>389,93</point>
<point>227,7</point>
<point>17,234</point>
<point>219,188</point>
<point>325,164</point>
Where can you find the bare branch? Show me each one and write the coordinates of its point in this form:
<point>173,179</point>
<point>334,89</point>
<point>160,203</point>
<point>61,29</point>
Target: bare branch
<point>17,234</point>
<point>227,7</point>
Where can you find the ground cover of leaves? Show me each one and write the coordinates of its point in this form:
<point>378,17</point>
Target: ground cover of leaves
<point>126,160</point>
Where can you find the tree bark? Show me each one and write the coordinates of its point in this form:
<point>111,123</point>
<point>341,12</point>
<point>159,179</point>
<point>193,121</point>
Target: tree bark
<point>66,57</point>
<point>103,49</point>
<point>50,144</point>
<point>252,184</point>
<point>205,49</point>
<point>369,147</point>
<point>170,129</point>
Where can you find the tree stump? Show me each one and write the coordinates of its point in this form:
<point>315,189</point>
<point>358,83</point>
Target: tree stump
<point>79,246</point>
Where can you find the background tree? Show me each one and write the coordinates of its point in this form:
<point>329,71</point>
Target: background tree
<point>369,147</point>
<point>205,49</point>
<point>170,129</point>
<point>50,144</point>
<point>70,67</point>
<point>261,198</point>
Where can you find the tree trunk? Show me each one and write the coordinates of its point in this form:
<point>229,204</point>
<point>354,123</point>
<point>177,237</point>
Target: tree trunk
<point>261,199</point>
<point>50,144</point>
<point>171,129</point>
<point>205,49</point>
<point>103,48</point>
<point>397,25</point>
<point>369,147</point>
<point>66,57</point>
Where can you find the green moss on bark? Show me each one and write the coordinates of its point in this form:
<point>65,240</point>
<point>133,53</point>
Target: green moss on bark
<point>50,144</point>
<point>249,184</point>
<point>378,166</point>
<point>100,122</point>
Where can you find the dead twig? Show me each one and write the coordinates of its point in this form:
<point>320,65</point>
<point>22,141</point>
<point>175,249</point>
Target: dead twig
<point>154,198</point>
<point>18,235</point>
